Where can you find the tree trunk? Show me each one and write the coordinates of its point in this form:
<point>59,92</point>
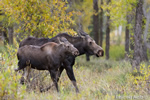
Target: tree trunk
<point>145,52</point>
<point>147,15</point>
<point>5,36</point>
<point>10,34</point>
<point>96,21</point>
<point>127,39</point>
<point>107,34</point>
<point>101,24</point>
<point>138,48</point>
<point>131,41</point>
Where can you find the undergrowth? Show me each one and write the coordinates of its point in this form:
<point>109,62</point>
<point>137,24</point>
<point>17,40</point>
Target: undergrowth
<point>97,80</point>
<point>116,52</point>
<point>10,88</point>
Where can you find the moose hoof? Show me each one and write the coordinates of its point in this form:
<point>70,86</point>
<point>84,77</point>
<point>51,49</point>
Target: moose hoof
<point>22,80</point>
<point>16,70</point>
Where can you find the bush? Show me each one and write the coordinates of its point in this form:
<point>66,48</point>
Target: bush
<point>10,88</point>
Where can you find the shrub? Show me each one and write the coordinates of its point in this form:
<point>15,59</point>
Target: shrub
<point>10,88</point>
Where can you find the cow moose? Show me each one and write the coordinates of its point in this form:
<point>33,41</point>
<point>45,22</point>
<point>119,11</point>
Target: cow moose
<point>46,57</point>
<point>85,45</point>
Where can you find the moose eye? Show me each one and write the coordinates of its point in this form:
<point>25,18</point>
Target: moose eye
<point>68,47</point>
<point>90,43</point>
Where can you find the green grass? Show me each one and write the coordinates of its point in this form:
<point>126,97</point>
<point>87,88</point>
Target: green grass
<point>2,48</point>
<point>116,52</point>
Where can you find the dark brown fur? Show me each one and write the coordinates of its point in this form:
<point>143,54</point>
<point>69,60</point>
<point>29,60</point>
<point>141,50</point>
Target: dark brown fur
<point>46,57</point>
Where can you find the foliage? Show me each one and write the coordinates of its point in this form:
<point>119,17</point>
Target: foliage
<point>141,80</point>
<point>38,17</point>
<point>10,87</point>
<point>86,8</point>
<point>137,84</point>
<point>116,52</point>
<point>119,10</point>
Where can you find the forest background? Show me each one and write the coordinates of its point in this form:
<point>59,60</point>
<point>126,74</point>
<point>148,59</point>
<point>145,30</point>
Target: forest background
<point>121,27</point>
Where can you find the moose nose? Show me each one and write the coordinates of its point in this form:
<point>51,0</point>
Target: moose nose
<point>76,53</point>
<point>100,53</point>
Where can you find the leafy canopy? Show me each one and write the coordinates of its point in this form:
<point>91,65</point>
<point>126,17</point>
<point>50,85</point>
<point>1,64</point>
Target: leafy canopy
<point>39,17</point>
<point>118,10</point>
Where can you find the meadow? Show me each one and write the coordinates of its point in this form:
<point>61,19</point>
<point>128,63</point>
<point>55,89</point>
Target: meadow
<point>98,79</point>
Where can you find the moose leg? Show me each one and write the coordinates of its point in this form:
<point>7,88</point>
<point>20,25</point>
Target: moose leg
<point>26,74</point>
<point>22,78</point>
<point>21,64</point>
<point>57,78</point>
<point>59,72</point>
<point>53,75</point>
<point>28,69</point>
<point>71,76</point>
<point>46,89</point>
<point>87,57</point>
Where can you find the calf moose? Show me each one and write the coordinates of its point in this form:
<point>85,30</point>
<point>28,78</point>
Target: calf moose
<point>46,57</point>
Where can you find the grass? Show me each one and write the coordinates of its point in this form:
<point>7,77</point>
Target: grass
<point>116,52</point>
<point>109,84</point>
<point>98,79</point>
<point>92,84</point>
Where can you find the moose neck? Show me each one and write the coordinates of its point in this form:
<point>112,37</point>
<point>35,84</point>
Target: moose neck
<point>78,43</point>
<point>61,52</point>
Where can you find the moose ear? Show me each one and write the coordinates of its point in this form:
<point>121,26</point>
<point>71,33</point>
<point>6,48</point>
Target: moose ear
<point>59,41</point>
<point>61,45</point>
<point>63,40</point>
<point>42,48</point>
<point>80,34</point>
<point>83,33</point>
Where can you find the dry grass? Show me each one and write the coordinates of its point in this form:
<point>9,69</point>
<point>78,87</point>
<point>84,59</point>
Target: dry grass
<point>97,80</point>
<point>93,84</point>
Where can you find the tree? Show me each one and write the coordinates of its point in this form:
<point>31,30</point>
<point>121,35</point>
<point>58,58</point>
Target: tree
<point>107,33</point>
<point>147,18</point>
<point>127,38</point>
<point>38,17</point>
<point>101,24</point>
<point>96,21</point>
<point>118,11</point>
<point>4,35</point>
<point>147,15</point>
<point>138,41</point>
<point>86,15</point>
<point>10,34</point>
<point>6,30</point>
